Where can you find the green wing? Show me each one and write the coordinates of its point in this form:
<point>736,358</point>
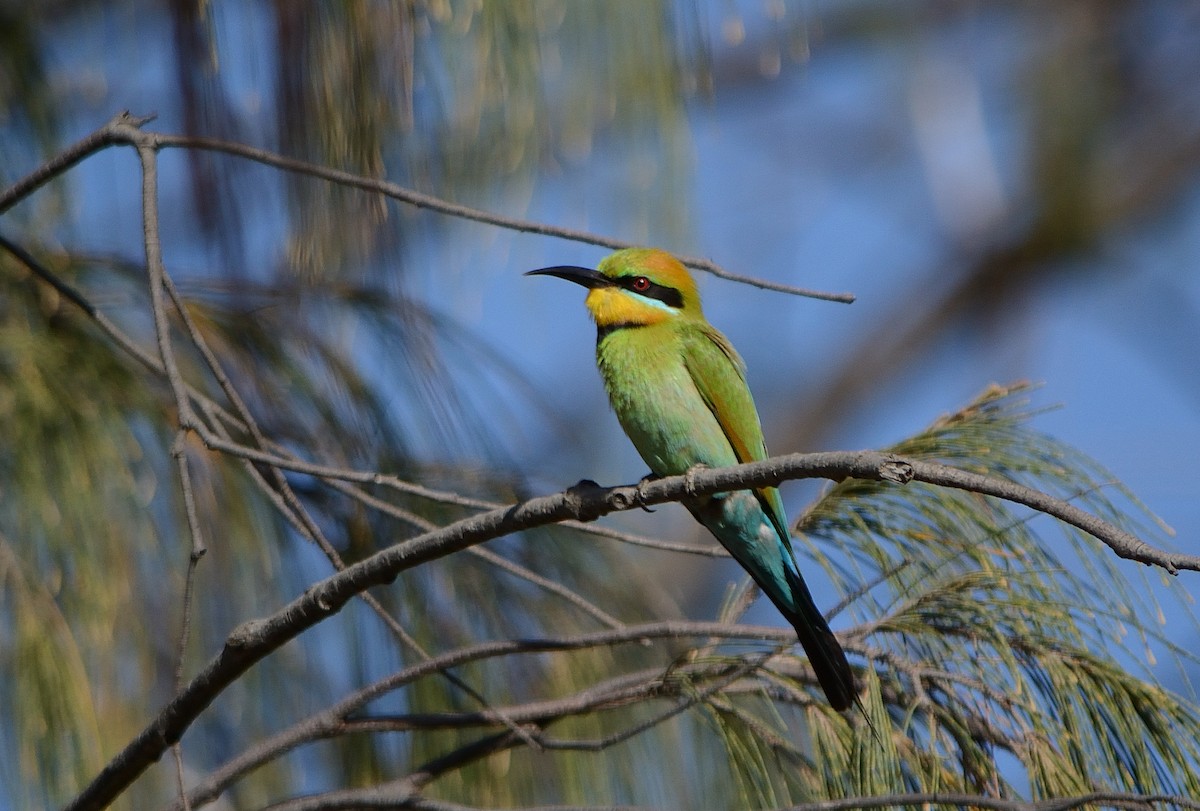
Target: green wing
<point>718,373</point>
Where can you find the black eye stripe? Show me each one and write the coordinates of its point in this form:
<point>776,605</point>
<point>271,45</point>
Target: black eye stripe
<point>667,295</point>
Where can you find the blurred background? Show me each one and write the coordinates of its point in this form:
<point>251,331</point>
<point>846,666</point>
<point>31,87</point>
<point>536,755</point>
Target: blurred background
<point>1011,190</point>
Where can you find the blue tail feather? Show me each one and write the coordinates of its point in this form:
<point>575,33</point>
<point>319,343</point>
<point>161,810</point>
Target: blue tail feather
<point>739,522</point>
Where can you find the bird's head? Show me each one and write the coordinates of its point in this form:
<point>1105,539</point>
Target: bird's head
<point>635,286</point>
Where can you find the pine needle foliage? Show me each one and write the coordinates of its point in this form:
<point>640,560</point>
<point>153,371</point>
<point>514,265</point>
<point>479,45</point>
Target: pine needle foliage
<point>990,631</point>
<point>993,653</point>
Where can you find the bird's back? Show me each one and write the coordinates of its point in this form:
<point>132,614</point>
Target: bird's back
<point>680,394</point>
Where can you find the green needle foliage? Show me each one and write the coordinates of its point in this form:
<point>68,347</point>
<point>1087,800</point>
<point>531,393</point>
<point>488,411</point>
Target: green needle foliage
<point>74,484</point>
<point>94,544</point>
<point>991,630</point>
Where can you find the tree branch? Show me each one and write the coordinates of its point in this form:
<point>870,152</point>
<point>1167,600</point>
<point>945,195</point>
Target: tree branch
<point>401,791</point>
<point>125,129</point>
<point>114,132</point>
<point>1115,799</point>
<point>335,719</point>
<point>254,640</point>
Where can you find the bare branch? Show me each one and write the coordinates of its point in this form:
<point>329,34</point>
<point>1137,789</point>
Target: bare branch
<point>391,795</point>
<point>534,716</point>
<point>114,132</point>
<point>431,203</point>
<point>157,277</point>
<point>876,466</point>
<point>252,641</point>
<point>1124,544</point>
<point>125,129</point>
<point>256,639</point>
<point>179,451</point>
<point>333,720</point>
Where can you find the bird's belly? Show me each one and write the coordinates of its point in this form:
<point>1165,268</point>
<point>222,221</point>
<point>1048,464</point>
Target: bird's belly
<point>668,422</point>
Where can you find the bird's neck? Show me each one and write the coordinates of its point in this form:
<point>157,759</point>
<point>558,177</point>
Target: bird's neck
<point>658,332</point>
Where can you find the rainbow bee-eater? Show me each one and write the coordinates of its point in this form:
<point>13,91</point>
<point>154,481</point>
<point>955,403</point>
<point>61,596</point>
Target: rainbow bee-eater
<point>679,390</point>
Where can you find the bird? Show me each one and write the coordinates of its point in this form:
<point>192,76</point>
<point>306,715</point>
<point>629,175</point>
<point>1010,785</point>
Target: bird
<point>678,388</point>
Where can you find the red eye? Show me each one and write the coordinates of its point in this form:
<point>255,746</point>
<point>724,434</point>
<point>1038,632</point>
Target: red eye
<point>641,284</point>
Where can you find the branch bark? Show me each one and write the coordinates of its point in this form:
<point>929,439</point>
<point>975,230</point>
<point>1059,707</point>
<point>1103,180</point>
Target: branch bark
<point>587,501</point>
<point>126,129</point>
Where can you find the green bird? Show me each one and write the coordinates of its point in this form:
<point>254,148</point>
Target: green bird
<point>679,390</point>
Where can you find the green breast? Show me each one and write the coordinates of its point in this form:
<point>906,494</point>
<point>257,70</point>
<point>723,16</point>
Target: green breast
<point>657,402</point>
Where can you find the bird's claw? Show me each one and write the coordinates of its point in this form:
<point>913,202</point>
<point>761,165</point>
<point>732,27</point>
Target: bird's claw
<point>641,494</point>
<point>689,478</point>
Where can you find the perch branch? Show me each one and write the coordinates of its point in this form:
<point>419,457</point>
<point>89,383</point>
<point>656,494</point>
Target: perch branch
<point>254,640</point>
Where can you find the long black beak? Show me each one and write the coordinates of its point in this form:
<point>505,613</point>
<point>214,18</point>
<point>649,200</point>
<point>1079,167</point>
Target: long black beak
<point>585,276</point>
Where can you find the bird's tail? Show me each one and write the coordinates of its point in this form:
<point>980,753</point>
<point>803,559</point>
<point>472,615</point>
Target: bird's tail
<point>824,651</point>
<point>739,522</point>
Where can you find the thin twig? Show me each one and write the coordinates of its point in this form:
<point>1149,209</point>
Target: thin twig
<point>111,133</point>
<point>179,451</point>
<point>156,275</point>
<point>333,721</point>
<point>730,674</point>
<point>431,203</point>
<point>125,128</point>
<point>545,583</point>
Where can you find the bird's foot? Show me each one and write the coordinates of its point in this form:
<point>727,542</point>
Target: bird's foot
<point>641,493</point>
<point>689,478</point>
